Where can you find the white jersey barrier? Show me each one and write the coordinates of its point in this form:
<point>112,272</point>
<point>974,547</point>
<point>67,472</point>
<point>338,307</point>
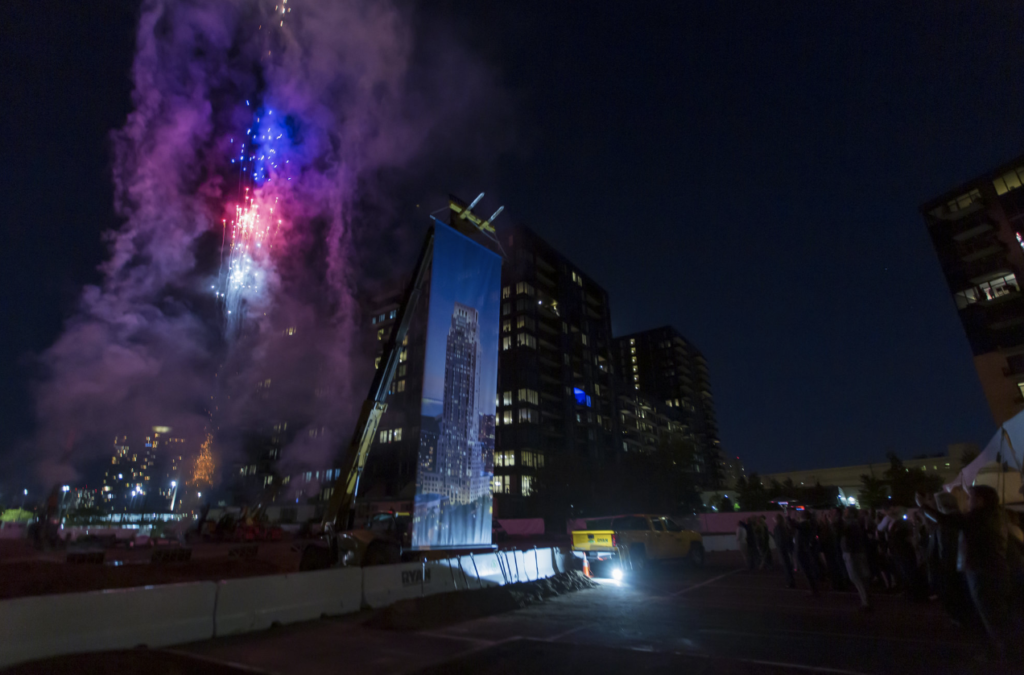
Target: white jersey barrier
<point>156,616</point>
<point>386,584</point>
<point>256,603</point>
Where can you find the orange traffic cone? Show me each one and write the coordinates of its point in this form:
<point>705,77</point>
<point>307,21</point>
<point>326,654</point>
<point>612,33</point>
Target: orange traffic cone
<point>586,568</point>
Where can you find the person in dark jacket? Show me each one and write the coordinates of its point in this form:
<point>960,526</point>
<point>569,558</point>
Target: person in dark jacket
<point>853,543</point>
<point>983,537</point>
<point>803,544</point>
<point>754,557</point>
<point>784,543</point>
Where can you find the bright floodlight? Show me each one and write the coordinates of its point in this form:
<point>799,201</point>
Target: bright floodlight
<point>617,574</point>
<point>66,488</point>
<point>174,483</point>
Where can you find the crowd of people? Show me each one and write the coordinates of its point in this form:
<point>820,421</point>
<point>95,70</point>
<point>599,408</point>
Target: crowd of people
<point>959,548</point>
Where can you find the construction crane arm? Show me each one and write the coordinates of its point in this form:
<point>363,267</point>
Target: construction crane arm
<point>341,506</point>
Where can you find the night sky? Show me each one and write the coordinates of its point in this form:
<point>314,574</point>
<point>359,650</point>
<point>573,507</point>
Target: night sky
<point>749,173</point>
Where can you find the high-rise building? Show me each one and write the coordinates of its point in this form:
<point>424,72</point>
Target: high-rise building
<point>661,363</point>
<point>556,382</point>
<point>141,471</point>
<point>978,233</point>
<point>459,439</point>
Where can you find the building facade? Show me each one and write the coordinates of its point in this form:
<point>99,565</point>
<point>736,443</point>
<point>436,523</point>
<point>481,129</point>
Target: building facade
<point>556,381</point>
<point>978,233</point>
<point>143,472</point>
<point>662,364</point>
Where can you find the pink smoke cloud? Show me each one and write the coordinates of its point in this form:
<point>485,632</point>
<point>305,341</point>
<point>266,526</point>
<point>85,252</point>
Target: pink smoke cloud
<point>147,346</point>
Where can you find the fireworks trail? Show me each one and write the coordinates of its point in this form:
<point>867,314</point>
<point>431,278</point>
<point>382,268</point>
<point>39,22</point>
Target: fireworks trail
<point>243,178</point>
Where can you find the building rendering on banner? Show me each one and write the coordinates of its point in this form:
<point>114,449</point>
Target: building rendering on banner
<point>458,445</point>
<point>455,460</point>
<point>978,233</point>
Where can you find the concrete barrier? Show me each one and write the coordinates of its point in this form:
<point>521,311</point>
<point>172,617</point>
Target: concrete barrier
<point>485,569</point>
<point>256,603</point>
<point>386,584</point>
<point>156,616</point>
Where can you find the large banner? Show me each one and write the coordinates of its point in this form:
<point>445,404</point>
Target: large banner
<point>456,455</point>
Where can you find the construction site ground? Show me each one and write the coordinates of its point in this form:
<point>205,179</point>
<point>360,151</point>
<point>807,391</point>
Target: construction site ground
<point>672,619</point>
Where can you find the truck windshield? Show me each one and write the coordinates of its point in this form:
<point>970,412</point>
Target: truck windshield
<point>672,526</point>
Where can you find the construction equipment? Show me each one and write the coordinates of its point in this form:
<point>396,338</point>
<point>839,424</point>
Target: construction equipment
<point>377,543</point>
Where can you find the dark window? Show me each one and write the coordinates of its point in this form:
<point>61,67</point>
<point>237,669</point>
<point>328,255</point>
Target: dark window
<point>600,524</point>
<point>1016,363</point>
<point>658,525</point>
<point>630,523</point>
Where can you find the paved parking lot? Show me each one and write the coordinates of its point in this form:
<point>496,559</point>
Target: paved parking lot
<point>673,617</point>
<point>720,619</point>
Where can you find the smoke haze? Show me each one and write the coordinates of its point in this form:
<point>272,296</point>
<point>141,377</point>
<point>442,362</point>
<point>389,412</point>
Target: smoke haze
<point>353,100</point>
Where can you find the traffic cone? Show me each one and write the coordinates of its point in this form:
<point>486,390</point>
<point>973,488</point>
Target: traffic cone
<point>586,568</point>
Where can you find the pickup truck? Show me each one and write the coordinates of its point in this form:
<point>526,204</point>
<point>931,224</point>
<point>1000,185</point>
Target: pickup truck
<point>628,543</point>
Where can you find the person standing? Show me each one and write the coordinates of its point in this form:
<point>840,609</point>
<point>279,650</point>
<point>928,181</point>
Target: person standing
<point>764,537</point>
<point>784,543</point>
<point>743,543</point>
<point>983,534</point>
<point>803,545</point>
<point>853,544</point>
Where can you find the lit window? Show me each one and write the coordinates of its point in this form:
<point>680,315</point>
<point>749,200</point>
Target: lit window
<point>393,314</point>
<point>402,355</point>
<point>397,435</point>
<point>400,386</point>
<point>507,397</point>
<point>506,326</point>
<point>527,396</point>
<point>376,363</point>
<point>523,287</point>
<point>380,333</point>
<point>527,483</point>
<point>632,342</point>
<point>528,416</point>
<point>1020,386</point>
<point>291,331</point>
<point>525,322</point>
<point>506,292</point>
<point>1009,181</point>
<point>526,340</point>
<point>401,370</point>
<point>506,417</point>
<point>584,338</point>
<point>506,343</point>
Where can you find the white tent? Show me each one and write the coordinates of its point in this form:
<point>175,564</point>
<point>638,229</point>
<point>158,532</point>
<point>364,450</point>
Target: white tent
<point>1007,445</point>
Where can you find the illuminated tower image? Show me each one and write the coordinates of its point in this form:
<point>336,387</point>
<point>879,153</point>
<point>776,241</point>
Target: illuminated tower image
<point>459,417</point>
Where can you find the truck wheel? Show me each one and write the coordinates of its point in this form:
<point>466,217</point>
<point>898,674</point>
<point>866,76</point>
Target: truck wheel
<point>638,558</point>
<point>696,556</point>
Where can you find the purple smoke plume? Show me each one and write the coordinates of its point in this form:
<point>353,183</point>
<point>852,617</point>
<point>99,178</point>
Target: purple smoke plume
<point>149,345</point>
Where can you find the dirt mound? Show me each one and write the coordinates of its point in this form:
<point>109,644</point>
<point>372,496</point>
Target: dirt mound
<point>447,608</point>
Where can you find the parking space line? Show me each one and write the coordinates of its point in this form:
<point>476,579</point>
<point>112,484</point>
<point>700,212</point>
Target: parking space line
<point>847,636</point>
<point>798,666</point>
<point>555,638</point>
<point>702,584</point>
<point>450,636</point>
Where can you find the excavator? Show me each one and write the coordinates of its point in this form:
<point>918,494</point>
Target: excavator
<point>386,535</point>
